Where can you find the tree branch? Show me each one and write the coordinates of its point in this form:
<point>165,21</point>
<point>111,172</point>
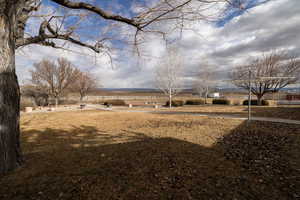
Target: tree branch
<point>44,37</point>
<point>97,10</point>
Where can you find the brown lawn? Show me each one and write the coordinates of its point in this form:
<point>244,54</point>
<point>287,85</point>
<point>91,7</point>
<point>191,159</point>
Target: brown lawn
<point>284,112</point>
<point>106,155</point>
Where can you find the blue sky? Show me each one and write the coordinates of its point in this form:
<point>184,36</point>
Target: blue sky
<point>241,7</point>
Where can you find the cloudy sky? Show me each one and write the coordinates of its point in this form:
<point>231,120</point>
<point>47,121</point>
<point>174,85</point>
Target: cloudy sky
<point>262,26</point>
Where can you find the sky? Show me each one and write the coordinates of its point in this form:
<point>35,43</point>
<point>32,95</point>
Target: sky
<point>233,39</point>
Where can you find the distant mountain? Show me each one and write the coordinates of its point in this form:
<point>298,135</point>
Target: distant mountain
<point>188,90</point>
<point>129,89</point>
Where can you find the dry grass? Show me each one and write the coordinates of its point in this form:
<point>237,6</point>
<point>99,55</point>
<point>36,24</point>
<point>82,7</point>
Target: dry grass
<point>284,112</point>
<point>105,155</point>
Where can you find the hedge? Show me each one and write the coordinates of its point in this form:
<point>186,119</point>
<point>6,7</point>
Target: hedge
<point>26,103</point>
<point>65,102</point>
<point>221,101</point>
<point>254,102</point>
<point>115,102</point>
<point>175,103</point>
<point>195,102</point>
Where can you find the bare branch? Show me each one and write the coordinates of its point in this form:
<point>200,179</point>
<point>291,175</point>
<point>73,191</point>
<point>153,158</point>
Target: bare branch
<point>269,74</point>
<point>97,10</point>
<point>84,84</point>
<point>179,12</point>
<point>169,72</point>
<point>55,77</point>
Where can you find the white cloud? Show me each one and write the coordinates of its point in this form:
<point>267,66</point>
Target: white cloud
<point>273,25</point>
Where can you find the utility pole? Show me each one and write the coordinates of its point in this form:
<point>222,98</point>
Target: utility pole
<point>249,98</point>
<point>258,79</point>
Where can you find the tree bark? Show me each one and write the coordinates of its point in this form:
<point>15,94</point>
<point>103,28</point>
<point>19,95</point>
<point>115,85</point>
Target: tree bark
<point>259,100</point>
<point>206,94</point>
<point>10,150</point>
<point>170,99</point>
<point>56,101</point>
<point>82,95</point>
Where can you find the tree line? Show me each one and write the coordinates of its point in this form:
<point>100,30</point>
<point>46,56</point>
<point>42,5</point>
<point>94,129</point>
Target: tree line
<point>54,79</point>
<point>267,73</point>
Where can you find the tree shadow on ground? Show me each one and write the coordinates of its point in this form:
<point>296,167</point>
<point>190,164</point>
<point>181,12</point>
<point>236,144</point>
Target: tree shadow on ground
<point>256,162</point>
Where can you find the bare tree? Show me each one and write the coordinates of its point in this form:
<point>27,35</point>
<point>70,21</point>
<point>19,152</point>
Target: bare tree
<point>84,84</point>
<point>268,74</point>
<point>203,81</point>
<point>63,26</point>
<point>168,74</point>
<point>56,77</point>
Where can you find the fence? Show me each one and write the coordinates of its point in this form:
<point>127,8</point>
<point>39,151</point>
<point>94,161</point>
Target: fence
<point>291,97</point>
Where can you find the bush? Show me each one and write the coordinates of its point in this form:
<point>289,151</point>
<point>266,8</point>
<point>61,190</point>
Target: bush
<point>195,102</point>
<point>175,103</point>
<point>66,102</point>
<point>254,102</point>
<point>221,101</point>
<point>209,101</point>
<point>26,103</point>
<point>115,102</point>
<point>271,102</point>
<point>236,102</point>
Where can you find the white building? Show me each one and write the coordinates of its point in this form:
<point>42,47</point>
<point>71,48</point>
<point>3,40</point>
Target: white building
<point>214,95</point>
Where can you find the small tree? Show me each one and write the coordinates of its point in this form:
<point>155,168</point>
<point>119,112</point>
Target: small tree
<point>204,81</point>
<point>169,73</point>
<point>268,74</point>
<point>84,84</point>
<point>56,77</point>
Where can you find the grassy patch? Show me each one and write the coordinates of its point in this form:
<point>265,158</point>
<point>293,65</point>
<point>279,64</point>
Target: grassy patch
<point>284,112</point>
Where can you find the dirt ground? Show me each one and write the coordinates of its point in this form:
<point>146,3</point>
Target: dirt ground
<point>110,155</point>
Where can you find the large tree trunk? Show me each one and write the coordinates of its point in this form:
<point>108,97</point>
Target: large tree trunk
<point>10,151</point>
<point>81,97</point>
<point>170,98</point>
<point>206,94</point>
<point>259,98</point>
<point>56,101</point>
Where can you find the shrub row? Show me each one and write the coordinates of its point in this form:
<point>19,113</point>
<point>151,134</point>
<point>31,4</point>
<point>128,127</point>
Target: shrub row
<point>115,102</point>
<point>255,102</point>
<point>64,102</point>
<point>175,103</point>
<point>221,101</point>
<point>195,102</point>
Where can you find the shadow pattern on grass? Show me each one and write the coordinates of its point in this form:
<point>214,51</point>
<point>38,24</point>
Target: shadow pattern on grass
<point>256,162</point>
